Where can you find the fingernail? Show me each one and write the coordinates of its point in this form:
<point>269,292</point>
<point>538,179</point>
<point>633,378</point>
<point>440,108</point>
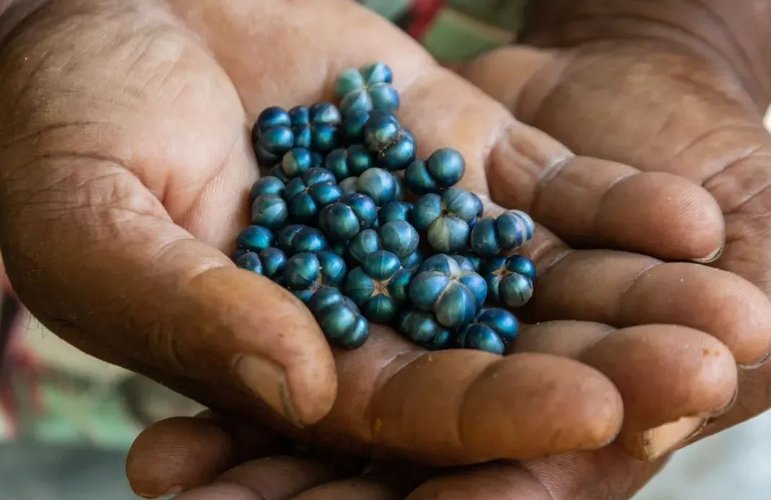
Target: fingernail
<point>657,442</point>
<point>711,257</point>
<point>267,380</point>
<point>757,364</point>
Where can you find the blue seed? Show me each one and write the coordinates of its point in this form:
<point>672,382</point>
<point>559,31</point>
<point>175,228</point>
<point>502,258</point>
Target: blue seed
<point>384,97</point>
<point>352,129</point>
<point>400,153</point>
<point>446,167</point>
<point>363,244</point>
<point>484,238</point>
<point>325,113</point>
<point>277,140</point>
<point>300,115</point>
<point>481,337</point>
<point>381,264</point>
<point>413,260</point>
<point>251,262</point>
<point>337,320</point>
<point>442,263</point>
<point>303,208</point>
<point>324,298</point>
<point>349,185</point>
<point>255,238</point>
<point>501,321</point>
<point>398,285</point>
<point>423,329</point>
<point>380,309</point>
<point>399,237</point>
<point>271,117</point>
<point>521,265</point>
<point>425,289</point>
<point>427,209</point>
<point>269,210</point>
<point>309,239</point>
<point>287,235</point>
<point>278,173</point>
<point>333,268</point>
<point>418,179</point>
<point>267,185</point>
<point>359,286</point>
<point>349,80</point>
<point>295,162</point>
<point>476,284</point>
<point>356,100</point>
<point>301,271</point>
<point>376,72</point>
<point>381,130</point>
<point>363,206</point>
<point>395,211</point>
<point>378,184</point>
<point>448,234</point>
<point>455,306</point>
<point>339,222</point>
<point>357,334</point>
<point>516,290</point>
<point>273,261</point>
<point>463,204</point>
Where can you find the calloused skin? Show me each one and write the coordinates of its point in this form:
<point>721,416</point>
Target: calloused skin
<point>662,87</point>
<point>126,165</point>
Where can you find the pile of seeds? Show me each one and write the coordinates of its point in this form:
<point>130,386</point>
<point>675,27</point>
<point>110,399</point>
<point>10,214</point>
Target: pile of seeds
<point>331,223</point>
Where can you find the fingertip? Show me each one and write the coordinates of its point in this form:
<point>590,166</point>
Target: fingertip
<point>664,215</point>
<point>276,347</point>
<point>177,454</point>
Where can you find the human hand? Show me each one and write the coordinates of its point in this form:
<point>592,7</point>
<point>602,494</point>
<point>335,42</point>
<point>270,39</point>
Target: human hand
<point>212,457</point>
<point>126,167</point>
<point>664,88</point>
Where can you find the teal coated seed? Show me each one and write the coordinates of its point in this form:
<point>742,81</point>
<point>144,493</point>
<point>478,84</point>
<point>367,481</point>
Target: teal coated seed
<point>308,194</point>
<point>378,184</point>
<point>352,129</point>
<point>366,88</point>
<point>443,169</point>
<point>349,162</point>
<point>363,244</point>
<point>363,206</point>
<point>395,211</point>
<point>501,321</point>
<point>297,238</point>
<point>508,231</point>
<point>413,260</point>
<point>279,174</point>
<point>295,162</point>
<point>509,280</point>
<point>448,218</point>
<point>379,286</point>
<point>267,185</point>
<point>483,338</point>
<point>269,210</point>
<point>301,271</point>
<point>349,185</point>
<point>250,261</point>
<point>339,222</point>
<point>423,329</point>
<point>255,238</point>
<point>399,237</point>
<point>426,287</point>
<point>273,262</point>
<point>393,147</point>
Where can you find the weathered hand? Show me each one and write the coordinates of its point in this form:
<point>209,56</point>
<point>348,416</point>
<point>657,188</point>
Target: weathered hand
<point>126,164</point>
<point>211,457</point>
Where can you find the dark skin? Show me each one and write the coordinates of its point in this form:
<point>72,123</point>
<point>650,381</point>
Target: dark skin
<point>160,201</point>
<point>679,92</point>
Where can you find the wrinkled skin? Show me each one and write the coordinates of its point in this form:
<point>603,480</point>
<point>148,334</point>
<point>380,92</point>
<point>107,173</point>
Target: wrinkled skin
<point>126,146</point>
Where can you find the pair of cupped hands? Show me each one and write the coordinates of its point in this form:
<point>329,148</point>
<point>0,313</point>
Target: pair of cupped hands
<point>125,165</point>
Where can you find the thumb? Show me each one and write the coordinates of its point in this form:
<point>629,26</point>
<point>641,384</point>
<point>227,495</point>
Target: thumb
<point>96,258</point>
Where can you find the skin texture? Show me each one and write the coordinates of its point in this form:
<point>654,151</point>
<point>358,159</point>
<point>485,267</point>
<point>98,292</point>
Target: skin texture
<point>121,165</point>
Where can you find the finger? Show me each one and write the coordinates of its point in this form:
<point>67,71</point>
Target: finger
<point>530,170</point>
<point>626,289</point>
<point>608,473</point>
<point>491,482</point>
<point>389,392</point>
<point>180,453</point>
<point>91,201</point>
<point>672,379</point>
<point>352,488</point>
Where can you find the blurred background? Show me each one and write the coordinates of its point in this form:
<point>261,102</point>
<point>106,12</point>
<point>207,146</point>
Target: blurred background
<point>65,430</point>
